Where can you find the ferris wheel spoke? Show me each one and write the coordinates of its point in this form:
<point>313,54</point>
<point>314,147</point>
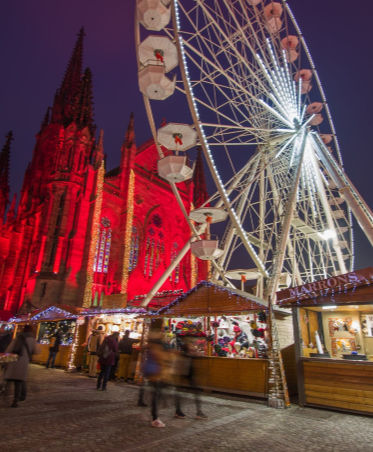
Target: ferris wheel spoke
<point>219,70</point>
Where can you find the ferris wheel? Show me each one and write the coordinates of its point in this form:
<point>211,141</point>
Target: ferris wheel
<point>239,81</point>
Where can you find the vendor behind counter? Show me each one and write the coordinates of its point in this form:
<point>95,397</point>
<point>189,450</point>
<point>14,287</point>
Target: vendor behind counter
<point>126,362</point>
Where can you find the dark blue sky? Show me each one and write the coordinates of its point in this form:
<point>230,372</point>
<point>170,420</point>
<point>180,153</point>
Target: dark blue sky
<point>37,38</point>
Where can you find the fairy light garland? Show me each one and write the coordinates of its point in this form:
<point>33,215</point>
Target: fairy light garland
<point>128,233</point>
<point>87,298</point>
<point>74,347</point>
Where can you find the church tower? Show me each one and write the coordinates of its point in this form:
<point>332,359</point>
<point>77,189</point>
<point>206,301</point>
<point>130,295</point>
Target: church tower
<point>57,199</point>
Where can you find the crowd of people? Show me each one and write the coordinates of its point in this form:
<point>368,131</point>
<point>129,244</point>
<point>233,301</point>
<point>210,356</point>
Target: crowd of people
<point>110,357</point>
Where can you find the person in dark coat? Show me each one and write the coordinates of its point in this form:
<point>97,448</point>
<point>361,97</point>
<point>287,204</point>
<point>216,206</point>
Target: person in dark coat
<point>25,346</point>
<point>107,355</point>
<point>125,350</point>
<point>53,349</point>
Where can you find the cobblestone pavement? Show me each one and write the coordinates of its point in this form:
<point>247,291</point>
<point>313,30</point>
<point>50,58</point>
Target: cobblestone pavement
<point>64,412</point>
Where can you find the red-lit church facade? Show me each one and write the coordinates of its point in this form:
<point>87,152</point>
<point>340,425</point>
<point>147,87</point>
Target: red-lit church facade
<point>82,235</point>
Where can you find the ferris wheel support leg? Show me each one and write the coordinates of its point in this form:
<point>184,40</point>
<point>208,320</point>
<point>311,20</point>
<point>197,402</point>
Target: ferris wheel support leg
<point>289,213</point>
<point>356,203</point>
<point>278,395</point>
<point>166,274</point>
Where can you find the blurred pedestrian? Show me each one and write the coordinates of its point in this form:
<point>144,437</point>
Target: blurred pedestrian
<point>153,370</point>
<point>107,353</point>
<point>24,345</point>
<point>53,349</point>
<point>184,375</point>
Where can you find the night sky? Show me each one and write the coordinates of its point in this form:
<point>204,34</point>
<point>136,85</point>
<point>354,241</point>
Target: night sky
<point>37,38</point>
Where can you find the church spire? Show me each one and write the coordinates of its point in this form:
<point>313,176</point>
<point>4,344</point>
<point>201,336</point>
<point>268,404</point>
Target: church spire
<point>129,145</point>
<point>67,97</point>
<point>99,155</point>
<point>200,194</point>
<point>45,120</point>
<point>130,134</point>
<point>4,175</point>
<point>85,108</point>
<point>71,81</point>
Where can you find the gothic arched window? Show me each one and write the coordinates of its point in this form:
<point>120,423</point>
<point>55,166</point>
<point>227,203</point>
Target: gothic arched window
<point>154,246</point>
<point>134,250</point>
<point>101,263</point>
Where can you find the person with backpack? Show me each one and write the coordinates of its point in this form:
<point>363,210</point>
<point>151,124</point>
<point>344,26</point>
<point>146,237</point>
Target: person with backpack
<point>107,354</point>
<point>24,345</point>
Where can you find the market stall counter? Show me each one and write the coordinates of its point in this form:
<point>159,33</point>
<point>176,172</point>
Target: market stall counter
<point>333,327</point>
<point>232,327</point>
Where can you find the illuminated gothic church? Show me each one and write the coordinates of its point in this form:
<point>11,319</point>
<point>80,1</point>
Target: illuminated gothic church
<point>82,235</point>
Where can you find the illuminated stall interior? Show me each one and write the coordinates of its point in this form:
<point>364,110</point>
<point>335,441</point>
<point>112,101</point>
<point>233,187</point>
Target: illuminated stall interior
<point>333,327</point>
<point>117,322</point>
<point>338,332</point>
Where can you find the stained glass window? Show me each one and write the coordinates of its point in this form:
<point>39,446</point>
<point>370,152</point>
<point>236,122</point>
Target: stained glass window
<point>154,246</point>
<point>134,251</point>
<point>101,262</point>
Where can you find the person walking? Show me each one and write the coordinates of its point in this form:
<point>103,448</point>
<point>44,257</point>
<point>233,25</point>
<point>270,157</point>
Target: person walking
<point>24,345</point>
<point>53,350</point>
<point>184,374</point>
<point>107,353</point>
<point>154,366</point>
<point>94,341</point>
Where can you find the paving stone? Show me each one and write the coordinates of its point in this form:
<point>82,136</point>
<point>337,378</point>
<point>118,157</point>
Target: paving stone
<point>64,412</point>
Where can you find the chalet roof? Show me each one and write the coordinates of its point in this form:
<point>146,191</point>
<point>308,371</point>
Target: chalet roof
<point>207,298</point>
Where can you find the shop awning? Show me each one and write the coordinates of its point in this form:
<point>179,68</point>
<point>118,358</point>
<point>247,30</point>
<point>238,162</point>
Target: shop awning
<point>211,299</point>
<point>350,288</point>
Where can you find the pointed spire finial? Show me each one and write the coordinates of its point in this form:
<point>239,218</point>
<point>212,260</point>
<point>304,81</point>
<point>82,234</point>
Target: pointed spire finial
<point>84,117</point>
<point>130,134</point>
<point>46,119</point>
<point>67,98</point>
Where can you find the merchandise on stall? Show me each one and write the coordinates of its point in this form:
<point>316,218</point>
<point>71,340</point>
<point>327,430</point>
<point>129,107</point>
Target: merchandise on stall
<point>65,328</point>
